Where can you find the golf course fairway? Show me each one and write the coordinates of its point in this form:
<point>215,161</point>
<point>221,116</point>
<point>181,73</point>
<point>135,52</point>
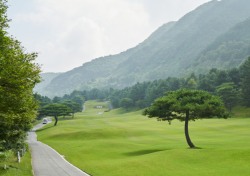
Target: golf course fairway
<point>120,143</point>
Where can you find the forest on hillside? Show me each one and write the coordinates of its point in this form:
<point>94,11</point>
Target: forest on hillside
<point>233,86</point>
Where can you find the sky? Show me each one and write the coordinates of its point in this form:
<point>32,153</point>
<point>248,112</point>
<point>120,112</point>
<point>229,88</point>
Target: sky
<point>68,33</point>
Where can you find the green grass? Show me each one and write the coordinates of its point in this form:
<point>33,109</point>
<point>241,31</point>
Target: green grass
<point>117,143</point>
<point>241,112</point>
<point>17,169</point>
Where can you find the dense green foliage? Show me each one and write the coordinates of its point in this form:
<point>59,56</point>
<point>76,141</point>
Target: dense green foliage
<point>55,110</point>
<point>226,84</point>
<point>74,101</point>
<point>18,76</point>
<point>119,143</point>
<point>13,167</point>
<point>60,106</point>
<point>245,71</point>
<point>231,85</point>
<point>186,105</point>
<point>229,94</point>
<point>42,100</point>
<point>176,104</point>
<point>215,35</point>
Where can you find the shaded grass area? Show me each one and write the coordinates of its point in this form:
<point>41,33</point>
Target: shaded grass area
<point>119,143</point>
<point>17,169</point>
<point>241,112</point>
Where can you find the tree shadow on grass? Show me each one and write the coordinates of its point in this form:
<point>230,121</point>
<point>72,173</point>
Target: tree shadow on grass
<point>45,128</point>
<point>66,118</point>
<point>195,148</point>
<point>144,152</point>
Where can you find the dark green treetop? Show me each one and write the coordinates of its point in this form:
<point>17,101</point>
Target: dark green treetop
<point>55,110</point>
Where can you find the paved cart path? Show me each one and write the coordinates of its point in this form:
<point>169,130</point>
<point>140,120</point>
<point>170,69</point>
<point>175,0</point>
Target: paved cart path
<point>46,161</point>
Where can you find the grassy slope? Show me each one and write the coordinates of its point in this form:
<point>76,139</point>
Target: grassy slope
<point>16,169</point>
<point>118,143</point>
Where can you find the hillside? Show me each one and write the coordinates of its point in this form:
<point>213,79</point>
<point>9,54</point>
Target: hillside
<point>227,51</point>
<point>175,49</point>
<point>46,78</point>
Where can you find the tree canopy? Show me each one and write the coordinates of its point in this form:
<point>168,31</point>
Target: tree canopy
<point>186,105</point>
<point>55,110</point>
<point>73,106</point>
<point>18,76</point>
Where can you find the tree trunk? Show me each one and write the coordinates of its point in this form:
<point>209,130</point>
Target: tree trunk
<point>56,120</point>
<point>191,145</point>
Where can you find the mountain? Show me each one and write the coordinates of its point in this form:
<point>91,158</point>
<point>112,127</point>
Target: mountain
<point>227,51</point>
<point>176,49</point>
<point>45,81</point>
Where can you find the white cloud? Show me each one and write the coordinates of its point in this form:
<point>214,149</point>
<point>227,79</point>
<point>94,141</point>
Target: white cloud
<point>67,33</point>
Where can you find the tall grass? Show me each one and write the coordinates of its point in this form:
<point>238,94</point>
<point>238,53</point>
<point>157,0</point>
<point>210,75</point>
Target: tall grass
<point>14,168</point>
<point>124,144</point>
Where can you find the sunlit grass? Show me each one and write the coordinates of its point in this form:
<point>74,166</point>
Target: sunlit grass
<point>120,143</point>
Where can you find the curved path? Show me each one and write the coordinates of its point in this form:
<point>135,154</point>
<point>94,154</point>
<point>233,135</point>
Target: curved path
<point>46,161</point>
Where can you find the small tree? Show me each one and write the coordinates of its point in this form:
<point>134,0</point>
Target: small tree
<point>186,105</point>
<point>55,110</point>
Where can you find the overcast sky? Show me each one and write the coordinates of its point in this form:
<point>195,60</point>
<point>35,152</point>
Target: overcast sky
<point>68,33</point>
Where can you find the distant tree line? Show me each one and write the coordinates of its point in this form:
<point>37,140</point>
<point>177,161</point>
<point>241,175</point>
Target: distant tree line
<point>59,106</point>
<point>233,86</point>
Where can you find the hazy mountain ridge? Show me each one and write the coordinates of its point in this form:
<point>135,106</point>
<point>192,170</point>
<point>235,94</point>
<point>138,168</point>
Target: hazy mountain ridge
<point>175,49</point>
<point>46,78</point>
<point>227,51</point>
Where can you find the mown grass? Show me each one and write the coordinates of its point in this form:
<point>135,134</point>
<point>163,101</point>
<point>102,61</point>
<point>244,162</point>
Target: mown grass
<point>118,143</point>
<point>23,168</point>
